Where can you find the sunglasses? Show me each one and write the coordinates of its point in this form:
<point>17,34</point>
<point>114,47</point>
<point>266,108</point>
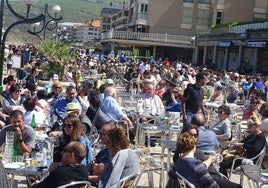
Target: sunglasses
<point>67,126</point>
<point>251,125</point>
<point>103,133</point>
<point>67,150</point>
<point>254,103</point>
<point>220,112</point>
<point>194,135</point>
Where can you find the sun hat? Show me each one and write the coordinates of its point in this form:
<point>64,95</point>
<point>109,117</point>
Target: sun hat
<point>109,81</point>
<point>72,107</point>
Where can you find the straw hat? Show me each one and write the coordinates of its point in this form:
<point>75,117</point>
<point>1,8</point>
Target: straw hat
<point>72,107</point>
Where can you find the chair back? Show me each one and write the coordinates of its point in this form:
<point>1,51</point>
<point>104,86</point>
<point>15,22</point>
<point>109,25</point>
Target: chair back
<point>126,182</point>
<point>3,176</point>
<point>76,184</point>
<point>241,128</point>
<point>94,137</point>
<point>184,183</point>
<point>260,156</point>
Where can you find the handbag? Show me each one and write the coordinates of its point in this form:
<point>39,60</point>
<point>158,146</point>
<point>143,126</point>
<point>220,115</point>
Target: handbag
<point>233,152</point>
<point>173,181</point>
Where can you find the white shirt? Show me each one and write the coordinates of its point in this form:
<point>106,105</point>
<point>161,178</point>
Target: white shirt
<point>40,117</point>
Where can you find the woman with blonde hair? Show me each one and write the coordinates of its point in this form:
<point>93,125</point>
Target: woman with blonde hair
<point>125,162</point>
<point>252,144</point>
<point>194,170</point>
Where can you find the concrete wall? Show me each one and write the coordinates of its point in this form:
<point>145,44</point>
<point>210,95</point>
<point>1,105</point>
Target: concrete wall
<point>238,10</point>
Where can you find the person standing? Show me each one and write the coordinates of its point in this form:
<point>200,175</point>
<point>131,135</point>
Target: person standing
<point>9,62</point>
<point>31,80</point>
<point>193,98</point>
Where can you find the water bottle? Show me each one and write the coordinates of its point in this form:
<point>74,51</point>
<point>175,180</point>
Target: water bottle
<point>44,161</point>
<point>149,141</point>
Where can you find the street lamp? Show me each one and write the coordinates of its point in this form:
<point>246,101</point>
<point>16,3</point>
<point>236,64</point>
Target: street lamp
<point>21,20</point>
<point>61,35</point>
<point>52,21</point>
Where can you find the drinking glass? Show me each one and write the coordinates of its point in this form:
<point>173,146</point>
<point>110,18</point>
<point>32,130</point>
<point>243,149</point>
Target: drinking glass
<point>9,136</point>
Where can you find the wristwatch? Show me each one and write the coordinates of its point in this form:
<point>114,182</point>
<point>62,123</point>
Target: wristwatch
<point>20,140</point>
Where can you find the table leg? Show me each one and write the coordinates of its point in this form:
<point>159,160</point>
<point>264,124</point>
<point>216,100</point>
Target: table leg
<point>12,181</point>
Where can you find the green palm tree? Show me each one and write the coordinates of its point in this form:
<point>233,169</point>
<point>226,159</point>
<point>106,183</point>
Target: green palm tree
<point>58,55</point>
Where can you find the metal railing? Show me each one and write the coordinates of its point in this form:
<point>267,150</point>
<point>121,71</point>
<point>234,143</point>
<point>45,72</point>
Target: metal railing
<point>150,37</point>
<point>239,28</point>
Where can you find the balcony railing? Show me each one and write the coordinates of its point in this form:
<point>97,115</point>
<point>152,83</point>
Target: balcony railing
<point>150,37</point>
<point>239,28</point>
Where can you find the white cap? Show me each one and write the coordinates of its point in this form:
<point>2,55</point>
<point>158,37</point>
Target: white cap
<point>55,77</point>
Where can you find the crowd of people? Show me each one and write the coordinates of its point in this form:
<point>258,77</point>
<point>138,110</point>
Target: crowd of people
<point>74,110</point>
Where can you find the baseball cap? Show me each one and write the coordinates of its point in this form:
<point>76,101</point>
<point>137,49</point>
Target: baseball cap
<point>55,77</point>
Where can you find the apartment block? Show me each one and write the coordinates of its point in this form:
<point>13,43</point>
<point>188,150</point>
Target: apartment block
<point>186,30</point>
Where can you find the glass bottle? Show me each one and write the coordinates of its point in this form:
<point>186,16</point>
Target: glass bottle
<point>16,149</point>
<point>33,124</point>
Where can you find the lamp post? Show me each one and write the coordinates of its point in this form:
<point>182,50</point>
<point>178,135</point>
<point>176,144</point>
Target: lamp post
<point>52,20</point>
<point>61,35</point>
<point>21,20</point>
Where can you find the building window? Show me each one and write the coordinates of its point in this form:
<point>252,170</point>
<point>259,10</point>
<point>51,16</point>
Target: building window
<point>202,17</point>
<point>219,18</point>
<point>204,1</point>
<point>187,15</point>
<point>143,8</point>
<point>188,1</point>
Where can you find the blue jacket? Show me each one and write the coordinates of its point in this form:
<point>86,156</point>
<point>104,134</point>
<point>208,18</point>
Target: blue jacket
<point>85,141</point>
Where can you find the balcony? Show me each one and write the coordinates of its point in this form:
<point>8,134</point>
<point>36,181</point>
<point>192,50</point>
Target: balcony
<point>173,40</point>
<point>238,29</point>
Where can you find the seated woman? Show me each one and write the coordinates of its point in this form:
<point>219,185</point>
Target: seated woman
<point>191,168</point>
<point>232,96</point>
<point>223,127</point>
<point>14,100</point>
<point>125,162</point>
<point>251,109</point>
<point>252,144</point>
<point>160,88</point>
<point>217,97</point>
<point>219,178</point>
<point>73,131</point>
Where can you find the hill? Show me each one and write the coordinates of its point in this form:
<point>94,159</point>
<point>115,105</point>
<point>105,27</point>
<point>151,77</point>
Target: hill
<point>72,11</point>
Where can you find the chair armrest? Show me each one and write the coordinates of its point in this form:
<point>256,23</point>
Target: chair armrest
<point>235,159</point>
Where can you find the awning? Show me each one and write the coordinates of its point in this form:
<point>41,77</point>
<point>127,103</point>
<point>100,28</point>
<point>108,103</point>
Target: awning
<point>256,44</point>
<point>224,44</point>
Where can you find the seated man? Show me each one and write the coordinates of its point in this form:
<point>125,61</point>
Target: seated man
<point>151,103</point>
<point>97,166</point>
<point>70,170</point>
<point>207,141</point>
<point>24,134</point>
<point>111,107</point>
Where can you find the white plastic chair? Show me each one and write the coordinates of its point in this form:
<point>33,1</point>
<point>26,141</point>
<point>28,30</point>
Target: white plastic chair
<point>184,183</point>
<point>77,184</point>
